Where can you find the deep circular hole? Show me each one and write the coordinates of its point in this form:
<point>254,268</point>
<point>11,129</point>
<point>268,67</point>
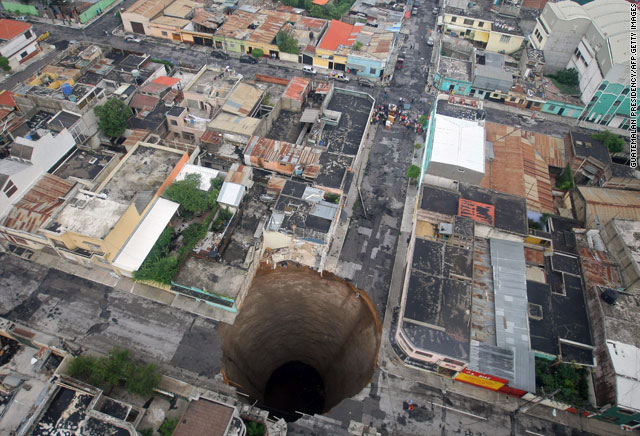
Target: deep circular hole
<point>295,387</point>
<point>301,341</point>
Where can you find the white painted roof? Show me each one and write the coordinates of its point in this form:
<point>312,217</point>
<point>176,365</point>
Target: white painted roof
<point>146,234</point>
<point>206,174</point>
<point>626,364</point>
<point>231,194</point>
<point>458,142</point>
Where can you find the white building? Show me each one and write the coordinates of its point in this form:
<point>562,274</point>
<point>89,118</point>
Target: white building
<point>18,41</point>
<point>457,150</point>
<point>594,40</point>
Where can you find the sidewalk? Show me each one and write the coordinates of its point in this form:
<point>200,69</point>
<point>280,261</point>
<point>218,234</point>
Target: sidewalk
<point>125,284</point>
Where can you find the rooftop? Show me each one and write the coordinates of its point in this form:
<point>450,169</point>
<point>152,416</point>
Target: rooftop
<point>148,8</point>
<point>213,82</point>
<point>458,142</point>
<point>339,34</point>
<point>585,146</point>
<point>243,100</point>
<point>516,168</point>
<point>625,360</point>
<point>483,10</point>
<point>603,205</point>
<point>84,165</point>
<point>437,305</point>
<point>136,179</point>
<point>181,8</point>
<point>260,151</point>
<point>297,89</point>
<point>9,29</point>
<point>629,232</point>
<point>558,320</point>
<point>226,122</point>
<point>170,21</point>
<point>455,68</point>
<point>205,418</point>
<point>38,204</point>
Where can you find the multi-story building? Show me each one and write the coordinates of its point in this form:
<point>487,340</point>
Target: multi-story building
<point>594,40</point>
<point>487,29</point>
<point>18,42</point>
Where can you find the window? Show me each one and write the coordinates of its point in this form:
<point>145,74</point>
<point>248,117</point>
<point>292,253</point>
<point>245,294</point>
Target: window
<point>625,91</point>
<point>461,170</point>
<point>164,33</point>
<point>505,38</point>
<point>23,54</point>
<point>602,87</point>
<point>539,38</point>
<point>28,34</point>
<point>468,22</point>
<point>373,71</point>
<point>546,31</point>
<point>173,122</point>
<point>10,189</point>
<point>453,362</point>
<point>552,108</point>
<point>617,103</point>
<point>454,19</point>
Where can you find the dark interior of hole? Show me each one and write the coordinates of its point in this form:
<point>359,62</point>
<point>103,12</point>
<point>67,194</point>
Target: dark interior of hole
<point>294,387</point>
<point>294,315</point>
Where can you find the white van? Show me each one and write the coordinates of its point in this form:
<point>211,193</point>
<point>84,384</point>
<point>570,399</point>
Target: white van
<point>307,69</point>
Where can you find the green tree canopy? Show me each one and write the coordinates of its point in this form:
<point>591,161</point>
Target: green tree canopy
<point>610,140</point>
<point>112,117</point>
<point>413,172</point>
<point>187,192</point>
<point>116,369</point>
<point>567,77</point>
<point>4,63</point>
<point>357,46</point>
<point>287,42</point>
<point>257,53</point>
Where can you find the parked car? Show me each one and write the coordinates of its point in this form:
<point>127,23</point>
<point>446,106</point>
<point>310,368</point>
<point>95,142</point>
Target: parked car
<point>246,59</point>
<point>430,41</point>
<point>131,38</point>
<point>400,63</point>
<point>414,11</point>
<point>341,77</point>
<point>21,18</point>
<point>219,54</point>
<point>435,11</point>
<point>307,69</point>
<point>366,82</point>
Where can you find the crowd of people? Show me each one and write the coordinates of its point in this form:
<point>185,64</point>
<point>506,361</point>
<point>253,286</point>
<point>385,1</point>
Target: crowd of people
<point>399,113</point>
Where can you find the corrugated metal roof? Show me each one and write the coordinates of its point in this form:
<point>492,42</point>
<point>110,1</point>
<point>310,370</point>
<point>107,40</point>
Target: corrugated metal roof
<point>296,89</point>
<point>608,204</point>
<point>325,210</point>
<point>243,99</point>
<point>510,291</point>
<point>38,204</point>
<point>231,194</point>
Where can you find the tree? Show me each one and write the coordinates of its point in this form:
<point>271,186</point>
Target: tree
<point>255,428</point>
<point>4,63</point>
<point>187,192</point>
<point>565,180</point>
<point>112,117</point>
<point>257,53</point>
<point>567,77</point>
<point>610,140</point>
<point>413,172</point>
<point>357,46</point>
<point>287,42</point>
<point>142,379</point>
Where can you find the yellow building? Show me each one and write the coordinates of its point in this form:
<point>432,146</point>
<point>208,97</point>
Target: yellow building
<point>137,17</point>
<point>333,49</point>
<point>93,226</point>
<point>168,27</point>
<point>477,22</point>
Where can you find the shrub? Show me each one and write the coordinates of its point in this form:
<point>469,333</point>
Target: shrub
<point>146,432</point>
<point>569,378</point>
<point>257,53</point>
<point>255,428</point>
<point>613,142</point>
<point>4,63</point>
<point>567,77</point>
<point>565,180</point>
<point>167,427</point>
<point>413,172</point>
<point>187,192</point>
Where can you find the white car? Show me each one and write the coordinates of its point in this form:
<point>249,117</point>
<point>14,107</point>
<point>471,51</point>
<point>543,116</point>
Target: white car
<point>131,38</point>
<point>341,78</point>
<point>430,41</point>
<point>309,70</point>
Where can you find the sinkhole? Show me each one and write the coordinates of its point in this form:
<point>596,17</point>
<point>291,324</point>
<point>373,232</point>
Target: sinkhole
<point>301,342</point>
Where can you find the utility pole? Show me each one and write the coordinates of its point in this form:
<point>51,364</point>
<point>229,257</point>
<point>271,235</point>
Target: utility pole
<point>533,402</point>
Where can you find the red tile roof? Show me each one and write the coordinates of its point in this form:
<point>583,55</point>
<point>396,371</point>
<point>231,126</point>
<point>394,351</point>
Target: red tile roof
<point>9,29</point>
<point>6,99</point>
<point>339,33</point>
<point>320,2</point>
<point>38,204</point>
<point>167,81</point>
<point>297,88</point>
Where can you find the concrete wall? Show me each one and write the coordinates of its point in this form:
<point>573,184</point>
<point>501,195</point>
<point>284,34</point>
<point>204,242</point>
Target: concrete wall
<point>454,172</point>
<point>504,43</point>
<point>622,254</point>
<point>562,40</point>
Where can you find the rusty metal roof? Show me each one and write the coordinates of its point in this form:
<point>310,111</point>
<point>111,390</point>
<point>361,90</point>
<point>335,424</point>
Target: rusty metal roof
<point>205,418</point>
<point>551,149</point>
<point>271,150</point>
<point>517,168</point>
<point>297,88</point>
<point>603,205</point>
<point>38,204</point>
<point>237,25</point>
